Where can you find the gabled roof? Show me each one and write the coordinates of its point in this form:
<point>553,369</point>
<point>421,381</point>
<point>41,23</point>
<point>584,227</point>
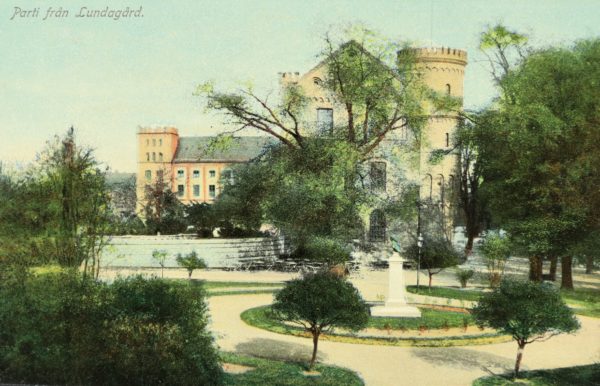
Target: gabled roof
<point>241,149</point>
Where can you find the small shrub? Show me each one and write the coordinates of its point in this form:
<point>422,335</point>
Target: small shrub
<point>463,276</point>
<point>190,262</point>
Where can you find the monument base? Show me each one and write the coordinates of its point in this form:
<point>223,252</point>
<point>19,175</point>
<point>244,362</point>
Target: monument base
<point>396,310</point>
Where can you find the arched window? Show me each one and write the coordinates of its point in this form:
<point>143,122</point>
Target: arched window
<point>153,141</point>
<point>160,157</point>
<point>448,89</point>
<point>147,156</point>
<point>153,156</point>
<point>377,226</point>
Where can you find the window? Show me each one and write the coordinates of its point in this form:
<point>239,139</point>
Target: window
<point>180,173</point>
<point>160,157</point>
<point>180,190</point>
<point>160,142</point>
<point>196,190</point>
<point>148,174</point>
<point>212,173</point>
<point>147,142</point>
<point>147,156</point>
<point>378,176</point>
<point>212,191</point>
<point>159,175</point>
<point>377,226</point>
<point>153,157</point>
<point>447,139</point>
<point>227,175</point>
<point>325,120</point>
<point>448,89</point>
<point>196,174</point>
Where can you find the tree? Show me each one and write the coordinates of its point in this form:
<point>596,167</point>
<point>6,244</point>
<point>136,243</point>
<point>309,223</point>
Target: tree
<point>64,213</point>
<point>546,117</point>
<point>191,261</point>
<point>437,254</point>
<point>377,91</point>
<point>163,212</point>
<point>527,311</point>
<point>495,250</point>
<point>160,256</point>
<point>319,302</point>
<point>470,179</point>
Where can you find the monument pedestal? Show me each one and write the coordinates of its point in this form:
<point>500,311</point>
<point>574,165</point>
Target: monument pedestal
<point>395,305</point>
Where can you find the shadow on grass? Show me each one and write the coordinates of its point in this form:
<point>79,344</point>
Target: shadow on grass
<point>464,358</point>
<point>278,350</point>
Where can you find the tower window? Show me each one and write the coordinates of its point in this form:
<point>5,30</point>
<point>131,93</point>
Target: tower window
<point>448,89</point>
<point>377,226</point>
<point>447,139</point>
<point>325,120</point>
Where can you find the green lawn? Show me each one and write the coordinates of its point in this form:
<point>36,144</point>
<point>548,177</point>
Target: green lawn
<point>447,293</point>
<point>569,376</point>
<point>234,284</point>
<point>584,301</point>
<point>269,372</point>
<point>430,318</point>
<point>260,317</point>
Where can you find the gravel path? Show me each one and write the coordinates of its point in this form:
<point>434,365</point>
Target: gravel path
<point>396,366</point>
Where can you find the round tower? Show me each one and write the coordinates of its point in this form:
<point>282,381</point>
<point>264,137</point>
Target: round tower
<point>441,69</point>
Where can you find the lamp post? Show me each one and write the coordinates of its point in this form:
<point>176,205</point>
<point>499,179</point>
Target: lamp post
<point>419,242</point>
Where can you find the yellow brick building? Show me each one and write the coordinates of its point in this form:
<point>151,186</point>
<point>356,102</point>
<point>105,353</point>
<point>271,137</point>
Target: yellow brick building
<point>193,171</point>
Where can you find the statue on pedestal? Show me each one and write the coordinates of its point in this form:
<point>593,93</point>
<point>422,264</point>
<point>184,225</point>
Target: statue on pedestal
<point>395,304</point>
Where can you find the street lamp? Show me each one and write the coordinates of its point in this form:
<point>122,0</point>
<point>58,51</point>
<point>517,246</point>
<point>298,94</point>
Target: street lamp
<point>419,245</point>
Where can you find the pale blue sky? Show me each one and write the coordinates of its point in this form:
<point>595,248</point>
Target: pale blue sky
<point>106,77</point>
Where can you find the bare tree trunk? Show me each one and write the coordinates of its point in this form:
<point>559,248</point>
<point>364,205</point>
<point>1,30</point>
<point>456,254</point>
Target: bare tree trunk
<point>535,268</point>
<point>553,264</point>
<point>315,334</point>
<point>519,357</point>
<point>566,277</point>
<point>430,277</point>
<point>589,264</point>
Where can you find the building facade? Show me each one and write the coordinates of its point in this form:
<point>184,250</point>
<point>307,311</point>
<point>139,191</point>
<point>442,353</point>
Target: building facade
<point>190,166</point>
<point>194,171</point>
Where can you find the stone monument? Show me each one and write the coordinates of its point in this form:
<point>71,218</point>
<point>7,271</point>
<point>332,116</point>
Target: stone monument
<point>395,304</point>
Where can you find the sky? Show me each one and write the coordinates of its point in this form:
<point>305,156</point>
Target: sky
<point>106,77</point>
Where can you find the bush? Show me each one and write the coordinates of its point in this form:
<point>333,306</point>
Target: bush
<point>58,328</point>
<point>463,276</point>
<point>496,251</point>
<point>323,250</point>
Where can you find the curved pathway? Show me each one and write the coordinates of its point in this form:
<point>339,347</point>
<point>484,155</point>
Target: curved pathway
<point>397,366</point>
